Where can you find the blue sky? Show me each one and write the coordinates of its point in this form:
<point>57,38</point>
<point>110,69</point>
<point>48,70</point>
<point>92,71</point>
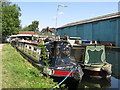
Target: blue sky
<point>45,12</point>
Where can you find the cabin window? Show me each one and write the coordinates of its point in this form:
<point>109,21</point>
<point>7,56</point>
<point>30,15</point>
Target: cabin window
<point>38,52</point>
<point>26,46</point>
<point>77,54</point>
<point>29,47</point>
<point>35,49</point>
<point>19,45</point>
<point>85,42</point>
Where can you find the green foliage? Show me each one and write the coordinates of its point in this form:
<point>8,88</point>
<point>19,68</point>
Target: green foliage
<point>32,27</point>
<point>26,29</point>
<point>44,53</point>
<point>19,73</point>
<point>10,18</point>
<point>45,33</point>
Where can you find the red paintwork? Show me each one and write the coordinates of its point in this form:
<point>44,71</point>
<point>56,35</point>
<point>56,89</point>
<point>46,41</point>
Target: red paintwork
<point>95,73</point>
<point>62,73</point>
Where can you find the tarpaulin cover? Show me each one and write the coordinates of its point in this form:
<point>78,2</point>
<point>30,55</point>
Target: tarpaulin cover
<point>95,54</point>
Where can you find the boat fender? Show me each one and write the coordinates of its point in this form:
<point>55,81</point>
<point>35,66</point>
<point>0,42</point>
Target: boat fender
<point>78,73</point>
<point>107,69</point>
<point>47,71</point>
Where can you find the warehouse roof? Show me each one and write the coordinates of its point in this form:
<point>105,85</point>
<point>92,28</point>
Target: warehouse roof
<point>109,16</point>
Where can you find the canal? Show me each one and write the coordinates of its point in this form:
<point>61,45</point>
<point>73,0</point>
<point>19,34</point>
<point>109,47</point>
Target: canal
<point>112,57</point>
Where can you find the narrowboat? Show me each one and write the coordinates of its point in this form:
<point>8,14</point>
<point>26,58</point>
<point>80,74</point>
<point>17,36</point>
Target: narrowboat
<point>92,59</point>
<point>53,58</point>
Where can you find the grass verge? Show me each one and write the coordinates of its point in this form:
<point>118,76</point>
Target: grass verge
<point>19,73</point>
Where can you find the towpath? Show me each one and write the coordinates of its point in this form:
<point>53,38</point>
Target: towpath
<point>1,45</point>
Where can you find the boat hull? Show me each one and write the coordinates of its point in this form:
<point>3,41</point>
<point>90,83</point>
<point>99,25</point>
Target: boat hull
<point>96,74</point>
<point>97,71</point>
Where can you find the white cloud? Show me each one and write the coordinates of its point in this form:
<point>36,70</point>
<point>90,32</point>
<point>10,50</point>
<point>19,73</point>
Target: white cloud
<point>54,17</point>
<point>60,13</point>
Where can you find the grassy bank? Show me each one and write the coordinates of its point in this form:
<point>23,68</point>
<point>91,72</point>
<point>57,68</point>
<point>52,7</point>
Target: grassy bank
<point>19,73</point>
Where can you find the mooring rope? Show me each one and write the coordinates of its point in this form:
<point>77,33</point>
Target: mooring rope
<point>64,79</point>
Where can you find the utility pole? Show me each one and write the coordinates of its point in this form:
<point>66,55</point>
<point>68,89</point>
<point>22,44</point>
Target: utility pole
<point>57,17</point>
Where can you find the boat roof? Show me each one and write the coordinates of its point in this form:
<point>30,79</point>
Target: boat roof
<point>75,37</point>
<point>21,35</point>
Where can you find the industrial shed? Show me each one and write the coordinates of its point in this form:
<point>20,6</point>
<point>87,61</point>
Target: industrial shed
<point>104,28</point>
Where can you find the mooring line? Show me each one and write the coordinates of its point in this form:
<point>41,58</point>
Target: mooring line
<point>64,79</point>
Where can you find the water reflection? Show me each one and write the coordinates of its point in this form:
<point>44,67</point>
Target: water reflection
<point>115,83</point>
<point>113,57</point>
<point>86,82</point>
<point>94,83</point>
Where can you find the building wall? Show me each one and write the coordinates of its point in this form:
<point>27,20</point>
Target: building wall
<point>106,30</point>
<point>118,33</point>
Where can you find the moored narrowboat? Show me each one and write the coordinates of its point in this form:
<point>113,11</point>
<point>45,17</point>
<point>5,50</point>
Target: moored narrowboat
<point>52,58</point>
<point>93,61</point>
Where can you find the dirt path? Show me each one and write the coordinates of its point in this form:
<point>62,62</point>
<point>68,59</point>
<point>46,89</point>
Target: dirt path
<point>1,45</point>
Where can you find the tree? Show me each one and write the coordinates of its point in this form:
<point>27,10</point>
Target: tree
<point>10,18</point>
<point>0,22</point>
<point>26,28</point>
<point>32,27</point>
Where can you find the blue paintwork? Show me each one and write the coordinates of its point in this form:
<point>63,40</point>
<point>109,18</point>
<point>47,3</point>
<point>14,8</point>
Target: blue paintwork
<point>105,30</point>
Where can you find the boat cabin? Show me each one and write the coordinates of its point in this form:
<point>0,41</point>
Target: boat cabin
<point>60,53</point>
<point>89,54</point>
<point>93,61</point>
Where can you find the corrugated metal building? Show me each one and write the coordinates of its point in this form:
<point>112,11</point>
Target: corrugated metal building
<point>103,28</point>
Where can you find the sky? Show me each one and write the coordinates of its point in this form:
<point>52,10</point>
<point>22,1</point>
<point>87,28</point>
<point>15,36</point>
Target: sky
<point>45,12</point>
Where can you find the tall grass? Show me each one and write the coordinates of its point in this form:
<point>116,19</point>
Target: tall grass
<point>19,73</point>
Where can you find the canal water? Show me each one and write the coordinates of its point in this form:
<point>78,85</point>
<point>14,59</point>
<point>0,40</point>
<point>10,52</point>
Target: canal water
<point>112,57</point>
